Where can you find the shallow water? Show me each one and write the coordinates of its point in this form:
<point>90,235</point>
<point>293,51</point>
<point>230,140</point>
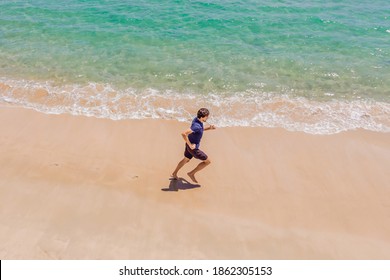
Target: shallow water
<point>313,66</point>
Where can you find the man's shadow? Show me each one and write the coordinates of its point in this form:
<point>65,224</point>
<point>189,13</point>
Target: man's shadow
<point>179,184</point>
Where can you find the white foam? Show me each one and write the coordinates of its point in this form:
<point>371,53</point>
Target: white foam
<point>251,108</point>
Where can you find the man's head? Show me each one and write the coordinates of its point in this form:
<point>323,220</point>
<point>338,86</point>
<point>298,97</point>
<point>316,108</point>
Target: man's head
<point>203,114</point>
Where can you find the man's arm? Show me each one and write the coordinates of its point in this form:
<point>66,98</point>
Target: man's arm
<point>185,137</point>
<point>210,127</point>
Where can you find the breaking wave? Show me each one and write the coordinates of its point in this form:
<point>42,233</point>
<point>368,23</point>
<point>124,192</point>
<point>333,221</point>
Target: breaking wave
<point>250,108</point>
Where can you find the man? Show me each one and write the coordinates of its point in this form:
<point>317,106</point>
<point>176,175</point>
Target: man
<point>192,137</point>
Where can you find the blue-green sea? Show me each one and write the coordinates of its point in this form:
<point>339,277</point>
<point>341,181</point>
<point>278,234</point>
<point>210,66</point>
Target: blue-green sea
<point>314,66</point>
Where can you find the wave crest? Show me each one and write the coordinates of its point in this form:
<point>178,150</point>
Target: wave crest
<point>240,109</point>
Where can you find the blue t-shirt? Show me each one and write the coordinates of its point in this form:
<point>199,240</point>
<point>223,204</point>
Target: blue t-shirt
<point>196,135</point>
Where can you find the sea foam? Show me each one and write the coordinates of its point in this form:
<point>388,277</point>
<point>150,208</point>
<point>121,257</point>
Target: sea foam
<point>250,108</point>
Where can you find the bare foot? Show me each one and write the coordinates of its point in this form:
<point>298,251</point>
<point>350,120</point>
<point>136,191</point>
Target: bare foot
<point>192,176</point>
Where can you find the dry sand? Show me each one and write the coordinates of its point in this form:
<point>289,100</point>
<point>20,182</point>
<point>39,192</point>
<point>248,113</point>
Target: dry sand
<point>74,187</point>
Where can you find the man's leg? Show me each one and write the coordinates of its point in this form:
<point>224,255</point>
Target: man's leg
<point>200,166</point>
<point>179,166</point>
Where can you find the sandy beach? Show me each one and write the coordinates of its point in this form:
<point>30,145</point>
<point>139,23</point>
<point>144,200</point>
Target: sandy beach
<point>74,187</point>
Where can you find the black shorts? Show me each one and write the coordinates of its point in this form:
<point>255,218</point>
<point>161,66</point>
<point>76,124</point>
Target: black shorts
<point>196,153</point>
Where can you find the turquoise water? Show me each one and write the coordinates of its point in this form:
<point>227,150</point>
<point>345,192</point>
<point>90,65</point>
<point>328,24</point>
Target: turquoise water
<point>314,66</point>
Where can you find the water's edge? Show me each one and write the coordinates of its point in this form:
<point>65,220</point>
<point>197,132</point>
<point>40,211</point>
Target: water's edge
<point>250,109</point>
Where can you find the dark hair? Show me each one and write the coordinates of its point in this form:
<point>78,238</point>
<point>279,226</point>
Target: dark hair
<point>203,112</point>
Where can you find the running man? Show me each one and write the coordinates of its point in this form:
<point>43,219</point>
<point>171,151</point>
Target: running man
<point>192,137</point>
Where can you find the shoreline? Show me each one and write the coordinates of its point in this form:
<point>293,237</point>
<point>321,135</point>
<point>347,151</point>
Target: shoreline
<point>324,115</point>
<point>76,187</point>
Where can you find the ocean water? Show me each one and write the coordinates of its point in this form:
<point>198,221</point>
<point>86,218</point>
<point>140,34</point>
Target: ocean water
<point>315,66</point>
